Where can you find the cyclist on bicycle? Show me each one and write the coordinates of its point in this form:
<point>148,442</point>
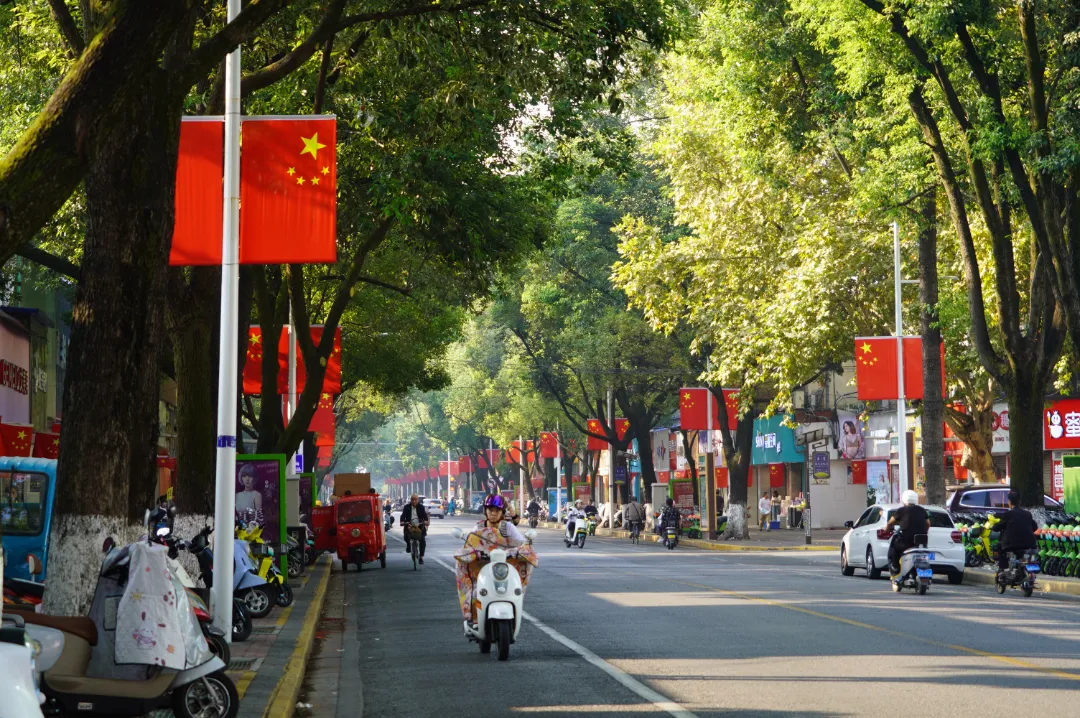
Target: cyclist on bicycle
<point>634,516</point>
<point>415,509</point>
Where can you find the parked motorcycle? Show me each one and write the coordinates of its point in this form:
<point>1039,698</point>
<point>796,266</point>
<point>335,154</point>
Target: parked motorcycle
<point>262,555</point>
<point>199,547</point>
<point>142,661</point>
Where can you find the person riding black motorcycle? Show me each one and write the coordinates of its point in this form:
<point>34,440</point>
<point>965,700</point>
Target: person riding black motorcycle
<point>415,508</point>
<point>669,517</point>
<point>591,511</point>
<point>912,520</point>
<point>1017,532</point>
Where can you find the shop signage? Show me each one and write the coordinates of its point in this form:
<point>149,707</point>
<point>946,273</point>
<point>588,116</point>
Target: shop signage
<point>821,465</point>
<point>14,377</point>
<point>1061,425</point>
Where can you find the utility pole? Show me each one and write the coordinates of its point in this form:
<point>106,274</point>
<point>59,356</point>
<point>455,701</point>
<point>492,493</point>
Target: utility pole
<point>708,501</point>
<point>901,404</point>
<point>611,457</point>
<point>225,466</point>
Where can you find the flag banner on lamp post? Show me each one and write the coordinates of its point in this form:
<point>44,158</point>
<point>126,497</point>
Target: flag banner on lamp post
<point>253,362</point>
<point>549,445</point>
<point>593,443</point>
<point>288,191</point>
<point>465,464</point>
<point>621,427</point>
<point>692,414</point>
<point>199,203</point>
<point>876,370</point>
<point>332,378</point>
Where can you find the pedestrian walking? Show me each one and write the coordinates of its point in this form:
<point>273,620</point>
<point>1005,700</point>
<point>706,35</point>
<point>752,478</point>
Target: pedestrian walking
<point>765,509</point>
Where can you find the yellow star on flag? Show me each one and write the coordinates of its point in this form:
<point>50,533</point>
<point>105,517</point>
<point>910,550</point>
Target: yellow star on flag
<point>291,171</point>
<point>56,442</point>
<point>312,146</point>
<point>314,180</point>
<point>326,170</point>
<point>256,338</point>
<point>299,180</point>
<point>866,347</point>
<point>325,395</point>
<point>22,434</point>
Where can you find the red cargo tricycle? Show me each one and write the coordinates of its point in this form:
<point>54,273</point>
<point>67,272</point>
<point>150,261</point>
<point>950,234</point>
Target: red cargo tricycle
<point>352,527</point>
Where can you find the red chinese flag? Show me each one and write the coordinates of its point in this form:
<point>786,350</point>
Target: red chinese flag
<point>595,444</point>
<point>322,421</point>
<point>692,403</point>
<point>288,191</point>
<point>663,477</point>
<point>549,445</point>
<point>448,468</point>
<point>465,464</point>
<point>913,372</point>
<point>692,414</point>
<point>721,474</point>
<point>46,445</point>
<point>858,471</point>
<point>18,439</point>
<point>199,194</point>
<point>323,463</point>
<point>875,368</point>
<point>332,378</point>
<point>621,427</point>
<point>328,437</point>
<point>731,402</point>
<point>253,362</point>
<point>776,476</point>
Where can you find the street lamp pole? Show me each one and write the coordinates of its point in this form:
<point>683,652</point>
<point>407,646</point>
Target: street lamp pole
<point>901,403</point>
<point>225,466</point>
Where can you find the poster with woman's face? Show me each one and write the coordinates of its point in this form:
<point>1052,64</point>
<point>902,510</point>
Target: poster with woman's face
<point>877,479</point>
<point>850,441</point>
<point>258,496</point>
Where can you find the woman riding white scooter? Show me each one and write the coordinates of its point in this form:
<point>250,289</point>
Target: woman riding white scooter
<point>494,515</point>
<point>573,515</point>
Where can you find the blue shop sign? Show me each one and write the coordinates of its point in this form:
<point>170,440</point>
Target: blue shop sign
<point>774,443</point>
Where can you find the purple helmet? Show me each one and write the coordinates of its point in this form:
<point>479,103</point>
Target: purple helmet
<point>494,501</point>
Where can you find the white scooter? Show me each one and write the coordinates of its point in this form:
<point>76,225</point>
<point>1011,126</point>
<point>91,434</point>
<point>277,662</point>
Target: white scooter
<point>21,698</point>
<point>577,538</point>
<point>500,592</point>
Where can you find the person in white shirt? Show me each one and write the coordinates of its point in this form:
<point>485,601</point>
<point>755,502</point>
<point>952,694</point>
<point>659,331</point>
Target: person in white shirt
<point>765,508</point>
<point>573,515</point>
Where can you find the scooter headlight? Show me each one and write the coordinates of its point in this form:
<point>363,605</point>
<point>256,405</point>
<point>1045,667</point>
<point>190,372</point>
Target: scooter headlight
<point>501,571</point>
<point>501,587</point>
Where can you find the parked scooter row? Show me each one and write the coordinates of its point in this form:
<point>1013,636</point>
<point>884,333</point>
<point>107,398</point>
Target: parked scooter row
<point>132,655</point>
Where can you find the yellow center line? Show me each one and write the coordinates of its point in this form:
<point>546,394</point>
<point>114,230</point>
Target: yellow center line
<point>899,634</point>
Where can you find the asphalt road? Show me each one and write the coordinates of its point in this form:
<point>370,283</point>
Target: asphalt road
<point>617,629</point>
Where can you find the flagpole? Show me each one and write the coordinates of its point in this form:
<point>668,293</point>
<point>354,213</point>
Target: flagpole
<point>558,473</point>
<point>225,469</point>
<point>901,404</point>
<point>291,472</point>
<point>524,457</point>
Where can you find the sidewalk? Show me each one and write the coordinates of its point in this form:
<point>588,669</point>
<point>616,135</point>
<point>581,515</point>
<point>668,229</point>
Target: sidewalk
<point>779,540</point>
<point>269,666</point>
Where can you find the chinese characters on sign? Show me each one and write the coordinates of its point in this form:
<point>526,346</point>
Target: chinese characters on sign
<point>14,377</point>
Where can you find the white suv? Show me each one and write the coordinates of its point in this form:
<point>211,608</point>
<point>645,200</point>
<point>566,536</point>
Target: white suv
<point>866,544</point>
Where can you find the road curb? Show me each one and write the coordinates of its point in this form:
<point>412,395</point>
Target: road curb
<point>1045,585</point>
<point>706,545</point>
<point>282,703</point>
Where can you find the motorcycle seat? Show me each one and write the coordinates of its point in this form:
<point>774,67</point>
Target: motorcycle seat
<point>76,625</point>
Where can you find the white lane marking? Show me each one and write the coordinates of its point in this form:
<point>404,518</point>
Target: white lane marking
<point>658,700</point>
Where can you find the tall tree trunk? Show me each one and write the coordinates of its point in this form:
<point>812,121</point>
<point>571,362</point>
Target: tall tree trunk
<point>190,321</point>
<point>1025,399</point>
<point>737,454</point>
<point>106,472</point>
<point>933,406</point>
<point>686,442</point>
<point>643,434</point>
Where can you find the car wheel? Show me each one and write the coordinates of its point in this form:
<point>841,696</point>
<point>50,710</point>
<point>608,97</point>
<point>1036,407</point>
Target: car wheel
<point>956,578</point>
<point>872,571</point>
<point>844,568</point>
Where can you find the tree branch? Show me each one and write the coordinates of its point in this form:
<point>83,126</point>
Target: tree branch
<point>406,291</point>
<point>203,58</point>
<point>411,12</point>
<point>324,68</point>
<point>60,265</point>
<point>62,15</point>
<point>322,34</point>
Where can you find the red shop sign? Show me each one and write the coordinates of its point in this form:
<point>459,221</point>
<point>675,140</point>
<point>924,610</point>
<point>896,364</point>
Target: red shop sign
<point>1061,425</point>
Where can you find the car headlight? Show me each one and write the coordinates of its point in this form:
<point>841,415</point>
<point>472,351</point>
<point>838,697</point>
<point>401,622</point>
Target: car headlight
<point>501,571</point>
<point>33,644</point>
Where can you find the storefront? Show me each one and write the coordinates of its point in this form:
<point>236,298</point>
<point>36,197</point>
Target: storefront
<point>1061,437</point>
<point>15,378</point>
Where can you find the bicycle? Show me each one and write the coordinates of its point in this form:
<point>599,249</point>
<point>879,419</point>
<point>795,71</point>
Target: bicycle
<point>635,532</point>
<point>415,533</point>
